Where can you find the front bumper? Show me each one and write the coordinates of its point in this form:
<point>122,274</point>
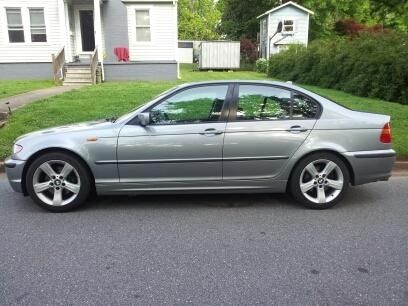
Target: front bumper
<point>371,166</point>
<point>14,170</point>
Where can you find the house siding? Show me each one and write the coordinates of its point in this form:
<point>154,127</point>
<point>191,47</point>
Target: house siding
<point>163,21</point>
<point>114,16</point>
<point>28,51</point>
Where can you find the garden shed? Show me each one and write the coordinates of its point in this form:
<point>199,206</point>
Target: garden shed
<point>219,55</point>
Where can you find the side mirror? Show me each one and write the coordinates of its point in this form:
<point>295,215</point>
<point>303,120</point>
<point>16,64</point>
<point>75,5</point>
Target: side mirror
<point>143,118</point>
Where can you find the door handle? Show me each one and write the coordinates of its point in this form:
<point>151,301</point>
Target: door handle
<point>211,131</point>
<point>296,129</point>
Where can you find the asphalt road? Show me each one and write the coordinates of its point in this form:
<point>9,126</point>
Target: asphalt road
<point>259,249</point>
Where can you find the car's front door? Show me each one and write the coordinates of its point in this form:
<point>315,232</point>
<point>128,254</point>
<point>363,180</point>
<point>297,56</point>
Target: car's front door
<point>182,144</point>
<point>267,125</point>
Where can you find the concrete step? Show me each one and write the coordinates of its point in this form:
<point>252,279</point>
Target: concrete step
<point>76,83</point>
<point>78,70</point>
<point>78,80</point>
<point>75,75</point>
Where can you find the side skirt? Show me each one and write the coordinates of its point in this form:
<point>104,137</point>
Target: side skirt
<point>227,186</point>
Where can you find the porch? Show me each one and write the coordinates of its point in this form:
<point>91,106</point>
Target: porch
<point>80,59</point>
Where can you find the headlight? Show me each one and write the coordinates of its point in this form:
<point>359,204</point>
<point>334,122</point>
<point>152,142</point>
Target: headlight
<point>17,148</point>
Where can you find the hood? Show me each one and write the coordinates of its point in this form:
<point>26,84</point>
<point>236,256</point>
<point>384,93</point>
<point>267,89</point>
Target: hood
<point>78,127</point>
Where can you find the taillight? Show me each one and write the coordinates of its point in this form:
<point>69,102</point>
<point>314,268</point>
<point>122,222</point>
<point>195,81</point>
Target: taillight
<point>386,134</point>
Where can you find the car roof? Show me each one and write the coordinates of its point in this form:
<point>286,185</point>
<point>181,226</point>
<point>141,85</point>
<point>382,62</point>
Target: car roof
<point>263,82</point>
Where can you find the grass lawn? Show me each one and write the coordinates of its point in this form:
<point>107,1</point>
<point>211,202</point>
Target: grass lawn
<point>11,88</point>
<point>113,99</point>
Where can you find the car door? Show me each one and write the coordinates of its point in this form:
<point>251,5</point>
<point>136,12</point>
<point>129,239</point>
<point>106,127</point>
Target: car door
<point>182,144</point>
<point>267,124</point>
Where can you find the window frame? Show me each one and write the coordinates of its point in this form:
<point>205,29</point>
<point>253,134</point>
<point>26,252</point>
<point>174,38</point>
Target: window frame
<point>31,26</point>
<point>235,102</point>
<point>283,26</point>
<point>137,9</point>
<point>225,111</point>
<point>8,25</point>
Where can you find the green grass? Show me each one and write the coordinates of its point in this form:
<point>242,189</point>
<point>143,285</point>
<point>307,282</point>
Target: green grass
<point>11,88</point>
<point>113,99</point>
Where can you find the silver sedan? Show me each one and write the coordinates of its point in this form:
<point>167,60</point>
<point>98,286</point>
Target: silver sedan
<point>229,136</point>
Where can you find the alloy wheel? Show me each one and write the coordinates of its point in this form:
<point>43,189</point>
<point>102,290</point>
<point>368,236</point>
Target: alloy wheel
<point>321,181</point>
<point>56,183</point>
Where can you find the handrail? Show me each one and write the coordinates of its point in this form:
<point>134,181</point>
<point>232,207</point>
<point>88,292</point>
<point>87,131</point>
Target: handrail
<point>94,64</point>
<point>58,63</point>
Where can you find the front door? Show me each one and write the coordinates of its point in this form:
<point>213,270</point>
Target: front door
<point>182,145</point>
<point>86,21</point>
<point>267,125</point>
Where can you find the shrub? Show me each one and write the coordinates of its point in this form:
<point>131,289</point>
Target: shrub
<point>248,50</point>
<point>371,65</point>
<point>261,65</point>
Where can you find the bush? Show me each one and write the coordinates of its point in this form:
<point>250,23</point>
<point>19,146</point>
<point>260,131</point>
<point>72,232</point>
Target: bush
<point>370,65</point>
<point>261,65</point>
<point>248,50</point>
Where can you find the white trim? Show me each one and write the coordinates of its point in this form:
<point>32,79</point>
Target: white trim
<point>293,26</point>
<point>25,17</point>
<point>132,22</point>
<point>143,26</point>
<point>78,37</point>
<point>283,5</point>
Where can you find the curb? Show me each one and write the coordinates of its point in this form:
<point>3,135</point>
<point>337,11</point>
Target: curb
<point>400,168</point>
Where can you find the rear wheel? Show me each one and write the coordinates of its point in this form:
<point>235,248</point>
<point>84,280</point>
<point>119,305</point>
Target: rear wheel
<point>320,181</point>
<point>58,182</point>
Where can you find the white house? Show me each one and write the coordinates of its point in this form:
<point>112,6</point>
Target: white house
<point>124,39</point>
<point>283,25</point>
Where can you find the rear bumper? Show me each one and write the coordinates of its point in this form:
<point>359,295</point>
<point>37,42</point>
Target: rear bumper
<point>371,166</point>
<point>14,169</point>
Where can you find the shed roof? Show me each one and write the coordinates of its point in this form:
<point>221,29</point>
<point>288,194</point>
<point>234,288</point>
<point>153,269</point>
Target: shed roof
<point>284,5</point>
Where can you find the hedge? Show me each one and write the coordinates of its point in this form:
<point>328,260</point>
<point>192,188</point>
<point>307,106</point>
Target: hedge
<point>369,66</point>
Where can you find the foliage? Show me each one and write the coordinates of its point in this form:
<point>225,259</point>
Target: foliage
<point>352,28</point>
<point>198,20</point>
<point>261,65</point>
<point>249,51</point>
<point>368,65</point>
<point>95,102</point>
<point>239,17</point>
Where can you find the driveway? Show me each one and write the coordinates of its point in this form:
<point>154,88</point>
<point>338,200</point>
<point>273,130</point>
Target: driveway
<point>221,249</point>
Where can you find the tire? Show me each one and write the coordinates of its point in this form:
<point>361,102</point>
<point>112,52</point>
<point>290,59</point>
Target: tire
<point>58,182</point>
<point>320,181</point>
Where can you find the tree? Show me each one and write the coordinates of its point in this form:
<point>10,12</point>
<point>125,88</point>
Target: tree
<point>239,17</point>
<point>198,19</point>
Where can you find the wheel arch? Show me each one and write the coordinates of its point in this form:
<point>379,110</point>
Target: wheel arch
<point>346,162</point>
<point>37,154</point>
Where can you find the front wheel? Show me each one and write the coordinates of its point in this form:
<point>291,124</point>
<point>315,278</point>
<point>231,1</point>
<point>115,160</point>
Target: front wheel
<point>320,181</point>
<point>58,182</point>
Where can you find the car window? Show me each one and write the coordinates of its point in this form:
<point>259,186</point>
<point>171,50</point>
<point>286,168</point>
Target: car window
<point>304,107</point>
<point>193,105</point>
<point>257,102</point>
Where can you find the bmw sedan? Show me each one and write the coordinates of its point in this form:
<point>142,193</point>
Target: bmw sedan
<point>209,137</point>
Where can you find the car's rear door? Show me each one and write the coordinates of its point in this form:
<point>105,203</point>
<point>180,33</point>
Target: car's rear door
<point>267,124</point>
<point>182,145</point>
